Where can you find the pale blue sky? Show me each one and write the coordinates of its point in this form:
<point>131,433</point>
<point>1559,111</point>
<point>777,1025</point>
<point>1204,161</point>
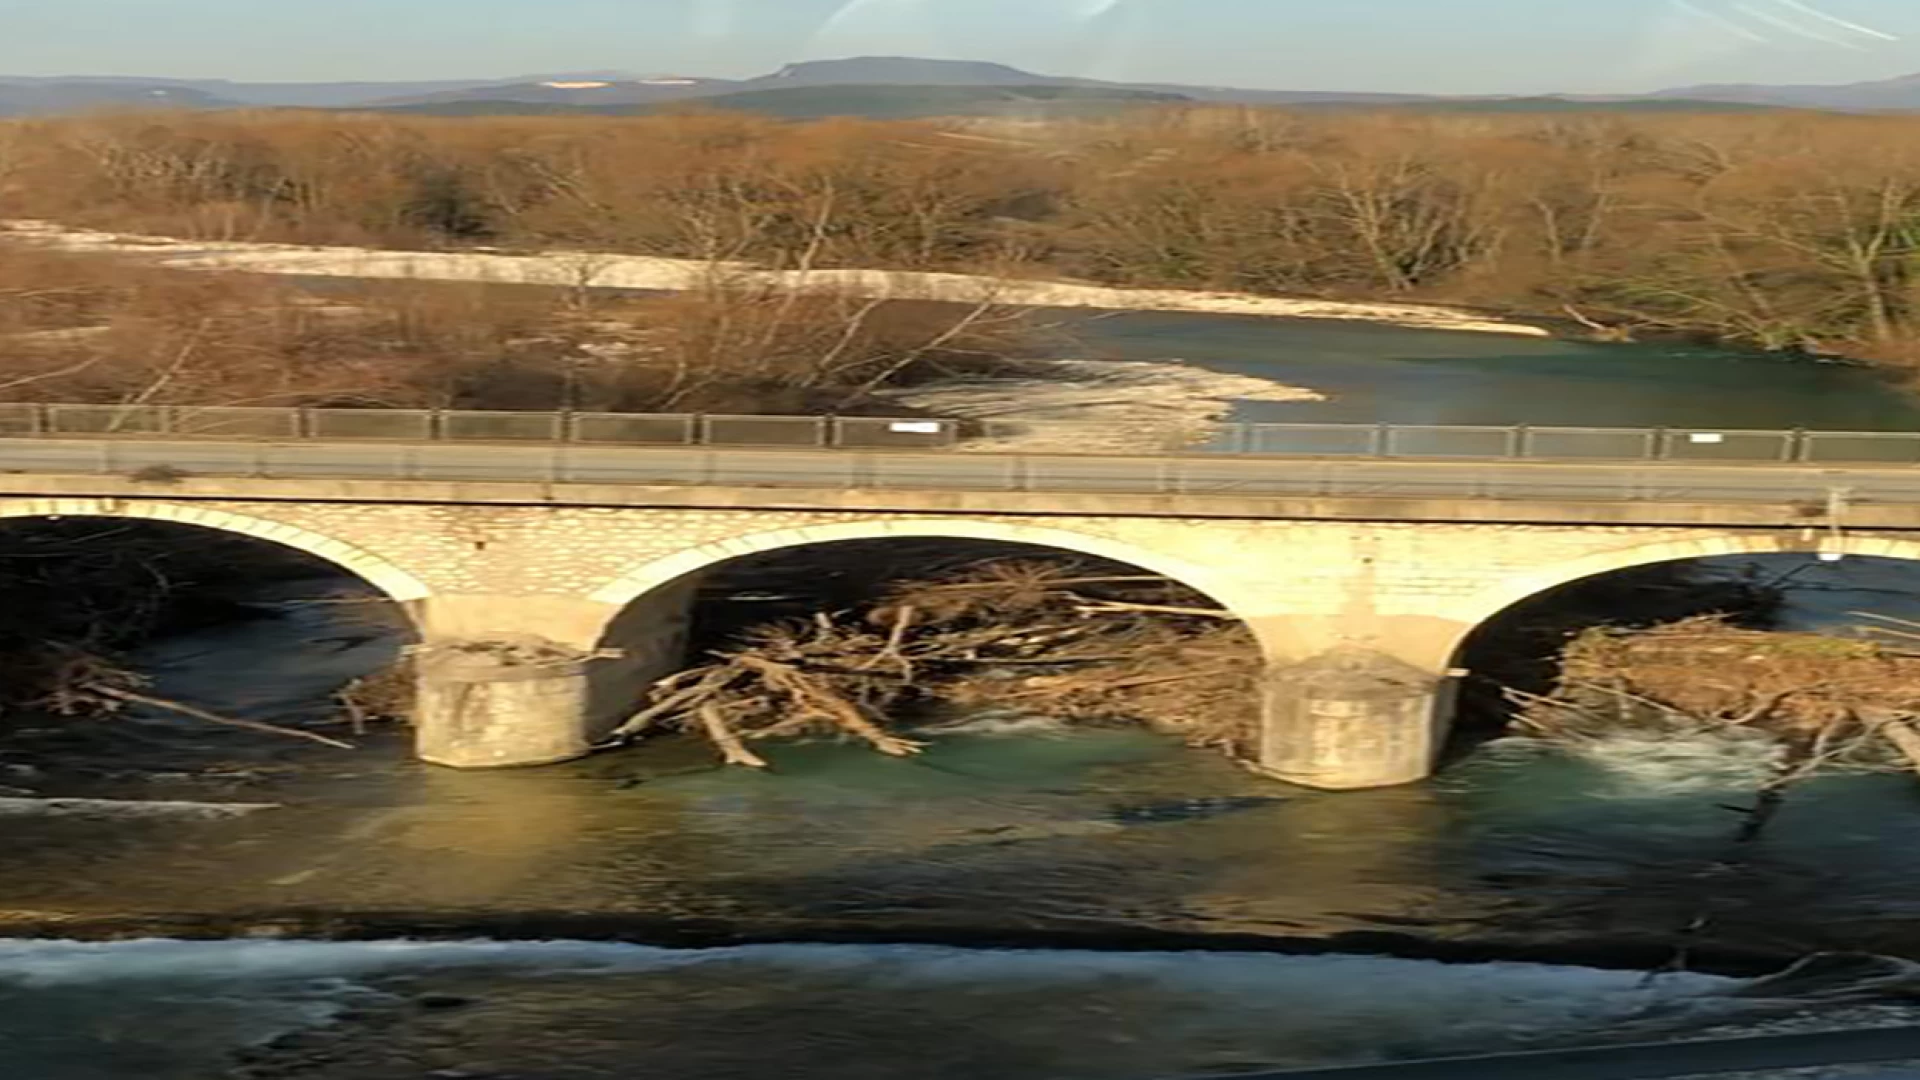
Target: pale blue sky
<point>1447,46</point>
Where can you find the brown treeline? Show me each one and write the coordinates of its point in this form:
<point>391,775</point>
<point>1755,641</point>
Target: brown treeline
<point>91,328</point>
<point>1789,231</point>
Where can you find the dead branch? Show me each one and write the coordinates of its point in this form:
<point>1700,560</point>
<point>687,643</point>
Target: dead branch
<point>727,739</point>
<point>148,700</point>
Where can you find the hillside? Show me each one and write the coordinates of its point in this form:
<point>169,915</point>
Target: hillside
<point>1882,95</point>
<point>29,98</point>
<point>1588,105</point>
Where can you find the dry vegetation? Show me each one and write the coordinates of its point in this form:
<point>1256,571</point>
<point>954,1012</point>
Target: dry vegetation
<point>83,328</point>
<point>1782,231</point>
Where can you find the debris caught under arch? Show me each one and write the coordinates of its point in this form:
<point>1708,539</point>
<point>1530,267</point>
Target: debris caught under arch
<point>1059,639</point>
<point>1853,700</point>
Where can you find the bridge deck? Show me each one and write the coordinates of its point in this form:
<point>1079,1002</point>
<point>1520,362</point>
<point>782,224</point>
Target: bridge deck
<point>1637,491</point>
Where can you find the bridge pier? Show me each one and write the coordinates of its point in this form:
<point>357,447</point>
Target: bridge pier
<point>502,702</point>
<point>506,682</point>
<point>1351,719</point>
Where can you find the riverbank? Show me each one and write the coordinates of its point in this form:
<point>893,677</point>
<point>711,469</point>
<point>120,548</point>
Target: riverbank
<point>605,270</point>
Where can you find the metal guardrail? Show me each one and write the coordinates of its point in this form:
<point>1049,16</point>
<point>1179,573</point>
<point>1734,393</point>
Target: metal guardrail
<point>1803,488</point>
<point>1380,441</point>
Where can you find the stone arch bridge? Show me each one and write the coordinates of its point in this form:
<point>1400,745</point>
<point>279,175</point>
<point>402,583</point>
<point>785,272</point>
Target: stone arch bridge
<point>1359,604</point>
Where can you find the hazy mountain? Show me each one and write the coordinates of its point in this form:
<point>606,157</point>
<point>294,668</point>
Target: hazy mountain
<point>910,89</point>
<point>912,71</point>
<point>883,86</point>
<point>51,93</point>
<point>904,71</point>
<point>29,98</point>
<point>882,101</point>
<point>1882,95</point>
<point>579,91</point>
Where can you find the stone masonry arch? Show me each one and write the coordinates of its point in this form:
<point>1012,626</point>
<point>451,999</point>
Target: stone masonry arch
<point>1474,611</point>
<point>399,585</point>
<point>1215,583</point>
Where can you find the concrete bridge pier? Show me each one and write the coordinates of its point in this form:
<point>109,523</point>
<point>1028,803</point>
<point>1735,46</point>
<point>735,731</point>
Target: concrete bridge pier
<point>506,682</point>
<point>1353,718</point>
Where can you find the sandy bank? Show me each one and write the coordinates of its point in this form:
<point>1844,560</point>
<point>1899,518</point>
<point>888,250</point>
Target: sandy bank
<point>577,269</point>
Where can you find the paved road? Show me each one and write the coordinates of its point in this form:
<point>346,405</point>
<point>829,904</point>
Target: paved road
<point>961,471</point>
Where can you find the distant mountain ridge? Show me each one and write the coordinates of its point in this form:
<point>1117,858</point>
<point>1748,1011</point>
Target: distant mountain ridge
<point>920,83</point>
<point>1898,94</point>
<point>24,94</point>
<point>877,101</point>
<point>903,71</point>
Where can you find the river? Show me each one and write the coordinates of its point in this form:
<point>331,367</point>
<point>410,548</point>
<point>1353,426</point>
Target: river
<point>1024,903</point>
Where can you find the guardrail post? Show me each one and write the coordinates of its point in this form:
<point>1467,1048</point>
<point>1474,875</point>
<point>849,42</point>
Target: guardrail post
<point>699,430</point>
<point>569,426</point>
<point>1242,438</point>
<point>303,422</point>
<point>42,419</point>
<point>1799,446</point>
<point>1382,441</point>
<point>436,425</point>
<point>1520,442</point>
<point>1662,444</point>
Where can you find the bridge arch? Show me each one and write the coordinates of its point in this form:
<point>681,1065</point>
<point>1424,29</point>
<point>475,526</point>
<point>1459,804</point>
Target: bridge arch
<point>399,585</point>
<point>1477,610</point>
<point>660,573</point>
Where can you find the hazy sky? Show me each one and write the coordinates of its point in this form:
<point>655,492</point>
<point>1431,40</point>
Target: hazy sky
<point>1450,46</point>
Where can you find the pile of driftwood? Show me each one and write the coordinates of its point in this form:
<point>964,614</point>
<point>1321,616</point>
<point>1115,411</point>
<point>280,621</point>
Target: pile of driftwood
<point>1077,642</point>
<point>1851,701</point>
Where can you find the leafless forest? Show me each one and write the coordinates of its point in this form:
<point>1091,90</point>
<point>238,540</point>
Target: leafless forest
<point>1785,231</point>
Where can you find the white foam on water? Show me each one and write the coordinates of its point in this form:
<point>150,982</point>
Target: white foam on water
<point>1653,766</point>
<point>1352,1005</point>
<point>120,808</point>
<point>1000,725</point>
<point>1336,983</point>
